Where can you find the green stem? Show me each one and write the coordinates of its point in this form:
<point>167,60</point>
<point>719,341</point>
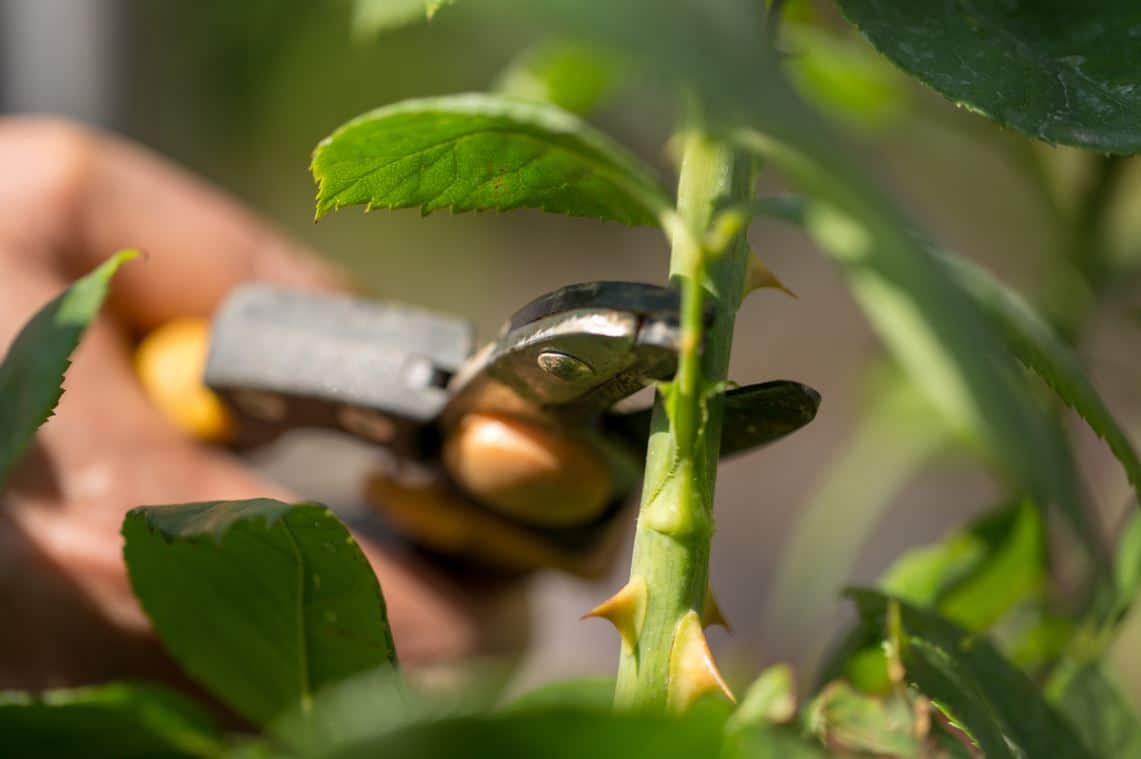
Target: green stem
<point>675,523</point>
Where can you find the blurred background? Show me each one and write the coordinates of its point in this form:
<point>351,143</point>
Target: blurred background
<point>240,92</point>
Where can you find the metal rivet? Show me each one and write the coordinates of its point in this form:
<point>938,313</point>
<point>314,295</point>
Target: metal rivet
<point>564,367</point>
<point>259,404</point>
<point>367,423</point>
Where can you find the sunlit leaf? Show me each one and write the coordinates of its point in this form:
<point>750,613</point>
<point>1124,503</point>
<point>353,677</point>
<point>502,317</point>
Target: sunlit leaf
<point>482,152</point>
<point>31,374</point>
<point>262,602</point>
<point>978,573</point>
<point>1061,72</point>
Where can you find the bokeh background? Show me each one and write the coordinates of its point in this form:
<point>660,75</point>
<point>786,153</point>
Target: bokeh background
<point>240,92</point>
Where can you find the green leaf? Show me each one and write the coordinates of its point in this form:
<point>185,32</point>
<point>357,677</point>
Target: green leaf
<point>979,573</point>
<point>116,721</point>
<point>371,17</point>
<point>965,674</point>
<point>1039,348</point>
<point>31,375</point>
<point>574,77</point>
<point>937,327</point>
<point>845,78</point>
<point>772,742</point>
<point>1061,72</point>
<point>843,718</point>
<point>262,602</point>
<point>555,733</point>
<point>1108,723</point>
<point>366,707</point>
<point>771,699</point>
<point>585,692</point>
<point>482,152</point>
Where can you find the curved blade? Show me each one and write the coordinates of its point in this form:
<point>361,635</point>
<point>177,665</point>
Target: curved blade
<point>755,416</point>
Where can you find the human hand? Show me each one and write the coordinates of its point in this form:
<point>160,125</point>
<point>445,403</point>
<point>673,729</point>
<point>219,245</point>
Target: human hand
<point>70,197</point>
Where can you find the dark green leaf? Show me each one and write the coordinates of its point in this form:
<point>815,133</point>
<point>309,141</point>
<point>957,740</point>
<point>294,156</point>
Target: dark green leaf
<point>964,673</point>
<point>976,574</point>
<point>260,601</point>
<point>31,374</point>
<point>1107,722</point>
<point>1059,71</point>
<point>574,77</point>
<point>595,693</point>
<point>117,721</point>
<point>482,152</point>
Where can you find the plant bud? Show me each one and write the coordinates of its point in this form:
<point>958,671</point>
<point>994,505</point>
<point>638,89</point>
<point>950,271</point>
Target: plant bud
<point>528,471</point>
<point>170,362</point>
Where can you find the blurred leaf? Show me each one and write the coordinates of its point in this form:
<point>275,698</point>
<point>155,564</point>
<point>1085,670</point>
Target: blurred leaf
<point>585,692</point>
<point>482,152</point>
<point>361,709</point>
<point>116,721</point>
<point>771,699</point>
<point>374,16</point>
<point>896,434</point>
<point>845,719</point>
<point>844,78</point>
<point>1037,346</point>
<point>31,374</point>
<point>1107,722</point>
<point>554,733</point>
<point>1128,563</point>
<point>888,268</point>
<point>574,77</point>
<point>966,675</point>
<point>772,742</point>
<point>976,574</point>
<point>261,602</point>
<point>1057,71</point>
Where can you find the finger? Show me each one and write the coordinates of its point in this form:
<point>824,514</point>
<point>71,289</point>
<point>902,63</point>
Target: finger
<point>78,196</point>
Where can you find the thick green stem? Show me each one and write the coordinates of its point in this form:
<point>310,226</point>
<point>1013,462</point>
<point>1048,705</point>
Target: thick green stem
<point>675,523</point>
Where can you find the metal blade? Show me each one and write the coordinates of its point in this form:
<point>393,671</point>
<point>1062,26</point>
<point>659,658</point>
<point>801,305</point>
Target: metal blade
<point>755,416</point>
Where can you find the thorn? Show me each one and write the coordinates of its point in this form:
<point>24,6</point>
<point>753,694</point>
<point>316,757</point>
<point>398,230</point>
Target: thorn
<point>626,610</point>
<point>711,611</point>
<point>761,277</point>
<point>693,673</point>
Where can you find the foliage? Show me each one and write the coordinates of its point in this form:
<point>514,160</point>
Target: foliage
<point>31,375</point>
<point>273,608</point>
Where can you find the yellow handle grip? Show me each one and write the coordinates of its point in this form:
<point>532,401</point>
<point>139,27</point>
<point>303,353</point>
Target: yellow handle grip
<point>170,362</point>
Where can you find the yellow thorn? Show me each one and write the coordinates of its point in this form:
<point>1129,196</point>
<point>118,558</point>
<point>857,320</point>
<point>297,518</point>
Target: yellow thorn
<point>711,612</point>
<point>760,276</point>
<point>693,673</point>
<point>626,610</point>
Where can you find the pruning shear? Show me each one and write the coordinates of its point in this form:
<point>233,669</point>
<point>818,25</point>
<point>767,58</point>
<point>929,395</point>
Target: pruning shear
<point>515,456</point>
